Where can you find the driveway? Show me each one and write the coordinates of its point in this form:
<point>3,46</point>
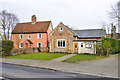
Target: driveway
<point>107,66</point>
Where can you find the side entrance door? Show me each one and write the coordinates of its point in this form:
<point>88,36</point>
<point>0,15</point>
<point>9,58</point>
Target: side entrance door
<point>75,47</point>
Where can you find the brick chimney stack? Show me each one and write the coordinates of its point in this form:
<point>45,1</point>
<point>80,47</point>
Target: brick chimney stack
<point>34,19</point>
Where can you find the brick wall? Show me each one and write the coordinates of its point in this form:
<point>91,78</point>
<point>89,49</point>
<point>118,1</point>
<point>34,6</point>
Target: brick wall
<point>65,34</point>
<point>43,40</point>
<point>29,50</point>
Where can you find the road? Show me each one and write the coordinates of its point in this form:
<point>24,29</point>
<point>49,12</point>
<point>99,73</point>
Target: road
<point>15,71</point>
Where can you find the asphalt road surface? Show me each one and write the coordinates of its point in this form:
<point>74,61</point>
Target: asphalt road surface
<point>15,71</point>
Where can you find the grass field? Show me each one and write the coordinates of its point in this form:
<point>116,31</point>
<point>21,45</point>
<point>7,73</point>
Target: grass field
<point>38,56</point>
<point>82,57</point>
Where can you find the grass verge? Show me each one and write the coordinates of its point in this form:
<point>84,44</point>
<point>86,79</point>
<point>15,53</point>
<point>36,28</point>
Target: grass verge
<point>38,56</point>
<point>82,57</point>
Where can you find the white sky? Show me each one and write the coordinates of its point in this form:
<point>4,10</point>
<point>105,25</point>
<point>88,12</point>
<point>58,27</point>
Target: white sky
<point>80,14</point>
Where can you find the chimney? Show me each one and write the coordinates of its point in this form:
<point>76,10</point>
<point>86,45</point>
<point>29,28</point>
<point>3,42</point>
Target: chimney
<point>33,19</point>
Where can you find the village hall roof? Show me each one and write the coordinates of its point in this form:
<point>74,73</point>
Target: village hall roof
<point>89,33</point>
<point>29,27</point>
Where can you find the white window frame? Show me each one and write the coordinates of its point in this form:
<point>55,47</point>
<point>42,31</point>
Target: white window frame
<point>38,44</point>
<point>81,43</point>
<point>20,36</point>
<point>62,43</point>
<point>20,44</point>
<point>50,28</point>
<point>29,37</point>
<point>60,28</point>
<point>88,45</point>
<point>38,36</point>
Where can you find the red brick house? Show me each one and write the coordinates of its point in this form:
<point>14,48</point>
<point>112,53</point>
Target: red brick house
<point>32,34</point>
<point>65,39</point>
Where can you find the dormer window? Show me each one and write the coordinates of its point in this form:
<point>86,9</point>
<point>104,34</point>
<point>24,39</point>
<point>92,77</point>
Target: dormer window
<point>61,29</point>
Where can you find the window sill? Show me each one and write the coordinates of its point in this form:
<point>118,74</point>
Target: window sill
<point>60,47</point>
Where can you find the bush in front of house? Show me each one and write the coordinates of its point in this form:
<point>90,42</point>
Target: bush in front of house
<point>108,46</point>
<point>7,46</point>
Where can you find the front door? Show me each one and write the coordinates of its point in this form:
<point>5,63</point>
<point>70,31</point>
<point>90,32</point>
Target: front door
<point>26,45</point>
<point>75,47</point>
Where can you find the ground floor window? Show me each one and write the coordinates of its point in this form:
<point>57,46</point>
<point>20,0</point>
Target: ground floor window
<point>21,45</point>
<point>81,44</point>
<point>38,44</point>
<point>61,43</point>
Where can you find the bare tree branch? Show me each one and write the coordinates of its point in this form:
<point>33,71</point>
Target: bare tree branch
<point>7,23</point>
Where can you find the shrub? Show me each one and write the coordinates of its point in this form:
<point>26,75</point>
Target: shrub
<point>7,46</point>
<point>108,46</point>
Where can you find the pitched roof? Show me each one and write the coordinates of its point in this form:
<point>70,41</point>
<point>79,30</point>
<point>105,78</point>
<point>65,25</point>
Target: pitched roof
<point>89,33</point>
<point>29,27</point>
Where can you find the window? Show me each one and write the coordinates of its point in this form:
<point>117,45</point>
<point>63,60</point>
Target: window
<point>61,29</point>
<point>38,44</point>
<point>75,45</point>
<point>61,43</point>
<point>50,28</point>
<point>81,44</point>
<point>39,35</point>
<point>21,45</point>
<point>21,36</point>
<point>29,36</point>
<point>88,46</point>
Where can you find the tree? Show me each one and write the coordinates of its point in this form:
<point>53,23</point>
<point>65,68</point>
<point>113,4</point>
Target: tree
<point>7,23</point>
<point>114,13</point>
<point>7,47</point>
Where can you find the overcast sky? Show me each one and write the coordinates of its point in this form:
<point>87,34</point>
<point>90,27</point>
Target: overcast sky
<point>80,14</point>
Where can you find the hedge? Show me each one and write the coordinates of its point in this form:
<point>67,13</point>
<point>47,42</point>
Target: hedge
<point>7,46</point>
<point>115,44</point>
<point>108,45</point>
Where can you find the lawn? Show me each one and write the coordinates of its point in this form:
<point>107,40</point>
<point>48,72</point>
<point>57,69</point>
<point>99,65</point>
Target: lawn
<point>82,57</point>
<point>38,56</point>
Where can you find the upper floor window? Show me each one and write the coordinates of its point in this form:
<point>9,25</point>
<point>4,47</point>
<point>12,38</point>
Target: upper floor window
<point>39,35</point>
<point>21,36</point>
<point>61,43</point>
<point>29,36</point>
<point>61,29</point>
<point>21,45</point>
<point>50,28</point>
